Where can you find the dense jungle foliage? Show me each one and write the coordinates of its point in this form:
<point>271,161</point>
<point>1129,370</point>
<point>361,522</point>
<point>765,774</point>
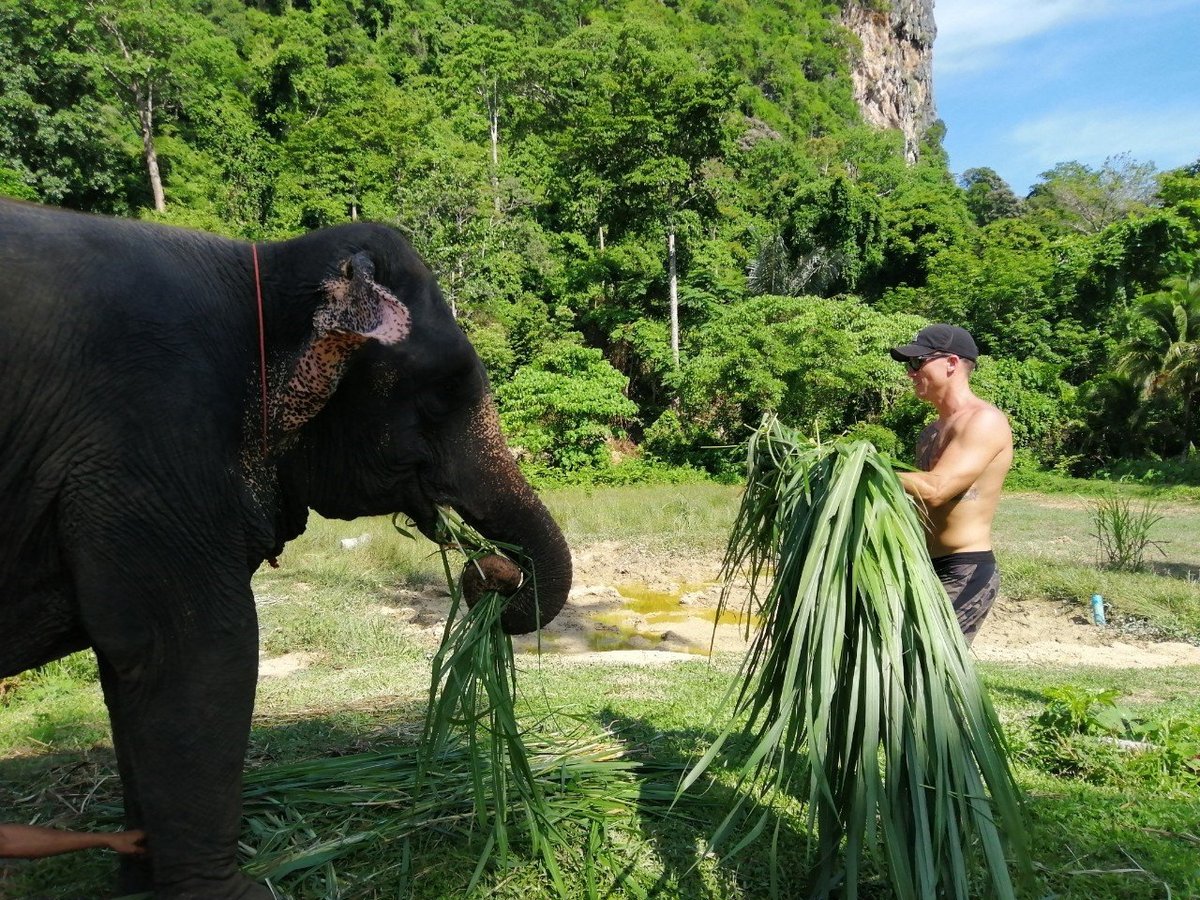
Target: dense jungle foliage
<point>542,154</point>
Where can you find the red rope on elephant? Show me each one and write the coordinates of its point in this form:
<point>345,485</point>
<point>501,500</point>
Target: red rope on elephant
<point>262,365</point>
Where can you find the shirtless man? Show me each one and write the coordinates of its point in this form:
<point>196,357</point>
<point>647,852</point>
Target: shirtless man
<point>964,456</point>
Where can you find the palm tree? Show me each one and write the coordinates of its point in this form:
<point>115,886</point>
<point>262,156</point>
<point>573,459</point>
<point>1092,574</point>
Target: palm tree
<point>1164,355</point>
<point>1117,420</point>
<point>772,270</point>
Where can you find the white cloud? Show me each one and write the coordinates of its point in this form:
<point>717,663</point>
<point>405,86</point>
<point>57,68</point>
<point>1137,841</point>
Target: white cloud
<point>972,34</point>
<point>1167,137</point>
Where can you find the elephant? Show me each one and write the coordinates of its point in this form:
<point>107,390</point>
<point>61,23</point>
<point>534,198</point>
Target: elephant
<point>174,404</point>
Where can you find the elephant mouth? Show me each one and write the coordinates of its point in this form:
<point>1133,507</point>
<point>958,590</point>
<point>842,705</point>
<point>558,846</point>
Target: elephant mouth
<point>422,515</point>
<point>526,608</point>
<point>491,573</point>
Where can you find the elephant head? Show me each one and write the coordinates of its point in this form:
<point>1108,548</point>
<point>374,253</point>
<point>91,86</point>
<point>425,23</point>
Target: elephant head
<point>380,405</point>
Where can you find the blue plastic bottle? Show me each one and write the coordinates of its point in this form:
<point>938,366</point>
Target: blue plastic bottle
<point>1098,609</point>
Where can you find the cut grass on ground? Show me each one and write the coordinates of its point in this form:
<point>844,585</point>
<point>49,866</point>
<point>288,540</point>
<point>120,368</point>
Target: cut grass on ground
<point>1091,838</point>
<point>1111,831</point>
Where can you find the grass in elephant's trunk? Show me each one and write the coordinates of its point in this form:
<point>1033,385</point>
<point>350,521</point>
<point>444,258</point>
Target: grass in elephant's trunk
<point>472,699</point>
<point>475,775</point>
<point>859,696</point>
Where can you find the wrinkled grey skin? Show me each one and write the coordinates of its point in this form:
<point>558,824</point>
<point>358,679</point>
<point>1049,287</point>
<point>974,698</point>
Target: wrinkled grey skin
<point>137,499</point>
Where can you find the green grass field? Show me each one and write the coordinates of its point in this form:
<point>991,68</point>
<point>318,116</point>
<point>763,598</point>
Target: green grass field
<point>1107,823</point>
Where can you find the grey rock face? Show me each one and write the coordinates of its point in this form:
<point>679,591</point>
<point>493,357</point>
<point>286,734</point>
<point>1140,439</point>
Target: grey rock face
<point>893,70</point>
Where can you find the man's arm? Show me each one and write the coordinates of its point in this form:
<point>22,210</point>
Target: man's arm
<point>969,449</point>
<point>34,842</point>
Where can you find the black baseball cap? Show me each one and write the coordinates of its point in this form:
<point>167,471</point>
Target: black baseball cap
<point>940,338</point>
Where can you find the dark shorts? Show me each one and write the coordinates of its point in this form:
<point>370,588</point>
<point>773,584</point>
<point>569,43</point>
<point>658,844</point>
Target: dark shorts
<point>972,582</point>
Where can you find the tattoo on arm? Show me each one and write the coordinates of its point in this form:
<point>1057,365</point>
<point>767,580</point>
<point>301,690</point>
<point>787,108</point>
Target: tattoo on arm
<point>927,448</point>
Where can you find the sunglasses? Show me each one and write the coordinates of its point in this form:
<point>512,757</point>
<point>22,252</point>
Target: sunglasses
<point>914,363</point>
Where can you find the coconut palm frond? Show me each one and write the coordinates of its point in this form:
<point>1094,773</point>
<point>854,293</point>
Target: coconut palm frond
<point>858,695</point>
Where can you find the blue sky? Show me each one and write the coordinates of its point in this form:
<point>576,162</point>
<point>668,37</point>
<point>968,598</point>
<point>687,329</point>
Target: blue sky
<point>1025,84</point>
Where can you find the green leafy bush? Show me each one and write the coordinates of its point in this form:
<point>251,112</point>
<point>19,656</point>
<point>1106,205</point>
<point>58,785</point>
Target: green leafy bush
<point>636,470</point>
<point>1038,403</point>
<point>1088,735</point>
<point>13,185</point>
<point>884,439</point>
<point>1071,710</point>
<point>820,364</point>
<point>565,406</point>
<point>1155,471</point>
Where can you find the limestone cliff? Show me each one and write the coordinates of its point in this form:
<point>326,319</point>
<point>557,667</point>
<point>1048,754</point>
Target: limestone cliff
<point>893,70</point>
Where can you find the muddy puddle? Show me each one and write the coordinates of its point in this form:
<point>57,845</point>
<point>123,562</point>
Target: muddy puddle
<point>677,617</point>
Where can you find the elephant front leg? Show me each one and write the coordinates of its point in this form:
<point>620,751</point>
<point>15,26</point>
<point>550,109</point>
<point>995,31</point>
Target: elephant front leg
<point>135,873</point>
<point>155,549</point>
<point>181,707</point>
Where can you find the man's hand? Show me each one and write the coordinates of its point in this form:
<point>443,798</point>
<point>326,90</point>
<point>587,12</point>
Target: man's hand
<point>129,843</point>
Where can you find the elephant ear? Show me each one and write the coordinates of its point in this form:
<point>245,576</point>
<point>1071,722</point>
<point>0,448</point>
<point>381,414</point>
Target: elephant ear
<point>353,310</point>
<point>357,309</point>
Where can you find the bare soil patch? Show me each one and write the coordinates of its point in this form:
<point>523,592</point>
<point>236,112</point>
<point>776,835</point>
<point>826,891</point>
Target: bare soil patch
<point>630,604</point>
<point>287,664</point>
<point>1056,634</point>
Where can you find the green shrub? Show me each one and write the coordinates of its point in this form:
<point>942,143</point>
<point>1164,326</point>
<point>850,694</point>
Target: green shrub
<point>1154,471</point>
<point>1073,710</point>
<point>667,438</point>
<point>1037,401</point>
<point>636,470</point>
<point>884,439</point>
<point>1087,734</point>
<point>1122,532</point>
<point>565,406</point>
<point>491,343</point>
<point>819,364</point>
<point>12,184</point>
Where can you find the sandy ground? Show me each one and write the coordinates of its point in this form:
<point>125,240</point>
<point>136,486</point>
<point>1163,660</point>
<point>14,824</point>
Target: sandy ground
<point>630,605</point>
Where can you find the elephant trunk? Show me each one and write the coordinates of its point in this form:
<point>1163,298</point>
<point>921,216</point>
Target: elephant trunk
<point>506,510</point>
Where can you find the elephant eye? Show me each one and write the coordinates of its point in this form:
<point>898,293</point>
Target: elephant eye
<point>465,385</point>
<point>453,392</point>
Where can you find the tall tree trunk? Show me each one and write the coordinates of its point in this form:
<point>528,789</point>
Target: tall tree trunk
<point>142,94</point>
<point>494,125</point>
<point>146,117</point>
<point>1187,421</point>
<point>674,296</point>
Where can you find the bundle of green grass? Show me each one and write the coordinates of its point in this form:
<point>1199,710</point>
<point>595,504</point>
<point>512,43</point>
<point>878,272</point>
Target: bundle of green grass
<point>476,779</point>
<point>858,696</point>
<point>472,702</point>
